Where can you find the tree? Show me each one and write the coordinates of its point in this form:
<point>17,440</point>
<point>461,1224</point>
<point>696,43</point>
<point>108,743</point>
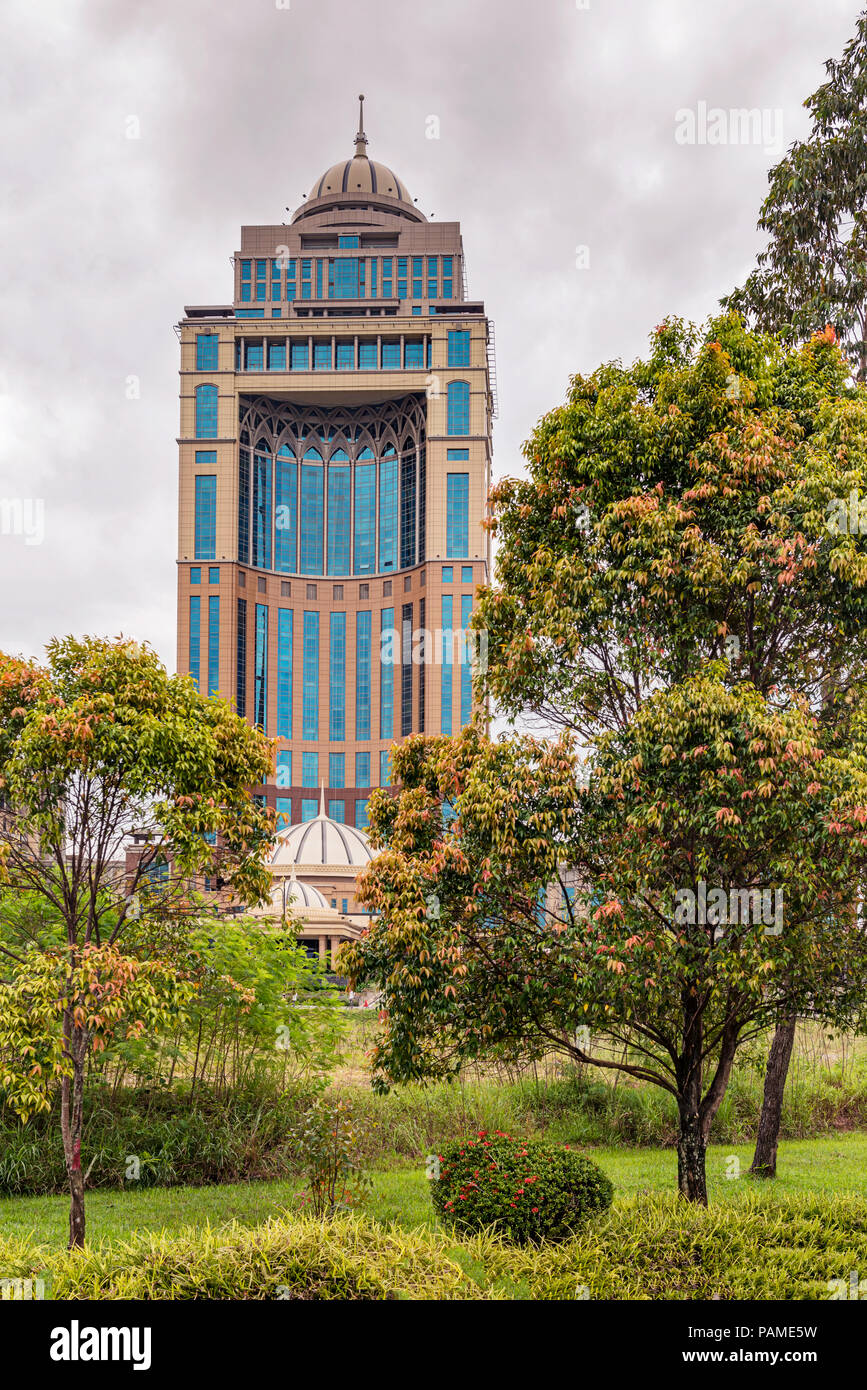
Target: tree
<point>672,565</point>
<point>97,744</point>
<point>814,269</point>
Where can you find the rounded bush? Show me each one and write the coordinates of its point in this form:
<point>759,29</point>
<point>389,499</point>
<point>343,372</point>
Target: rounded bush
<point>530,1191</point>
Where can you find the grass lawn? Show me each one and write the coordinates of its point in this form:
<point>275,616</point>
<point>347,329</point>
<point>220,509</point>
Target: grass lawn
<point>830,1166</point>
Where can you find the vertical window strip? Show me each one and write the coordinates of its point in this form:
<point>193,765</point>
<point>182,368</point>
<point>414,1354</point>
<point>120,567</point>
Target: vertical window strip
<point>446,728</point>
<point>457,515</point>
<point>205,524</point>
<point>406,670</point>
<point>388,514</point>
<point>338,519</point>
<point>213,644</point>
<point>362,675</point>
<point>458,407</point>
<point>244,506</point>
<point>387,644</point>
<point>206,412</point>
<point>284,673</point>
<point>262,511</point>
<point>407,508</point>
<point>285,514</point>
<point>241,656</point>
<point>466,663</point>
<point>310,677</point>
<point>194,652</point>
<point>365,518</point>
<point>312,517</point>
<point>260,684</point>
<point>337,678</point>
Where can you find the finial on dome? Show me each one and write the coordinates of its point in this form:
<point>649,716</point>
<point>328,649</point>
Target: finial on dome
<point>361,138</point>
<point>322,802</point>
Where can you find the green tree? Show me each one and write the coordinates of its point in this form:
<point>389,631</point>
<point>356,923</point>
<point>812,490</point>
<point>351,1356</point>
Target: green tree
<point>96,746</point>
<point>671,578</point>
<point>813,271</point>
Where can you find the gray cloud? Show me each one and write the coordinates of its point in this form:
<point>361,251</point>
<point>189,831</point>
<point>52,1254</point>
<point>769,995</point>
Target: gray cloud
<point>556,131</point>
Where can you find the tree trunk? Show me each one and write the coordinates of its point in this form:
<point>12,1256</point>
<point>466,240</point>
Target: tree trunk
<point>691,1155</point>
<point>691,1141</point>
<point>764,1164</point>
<point>71,1115</point>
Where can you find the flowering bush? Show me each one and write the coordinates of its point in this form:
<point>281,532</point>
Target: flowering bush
<point>530,1191</point>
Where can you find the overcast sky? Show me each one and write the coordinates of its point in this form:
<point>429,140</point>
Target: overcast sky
<point>557,131</point>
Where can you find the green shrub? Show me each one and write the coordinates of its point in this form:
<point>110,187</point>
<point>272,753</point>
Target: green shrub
<point>325,1147</point>
<point>530,1191</point>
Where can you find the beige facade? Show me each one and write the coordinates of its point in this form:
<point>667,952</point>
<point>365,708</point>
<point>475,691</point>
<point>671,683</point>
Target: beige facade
<point>385,375</point>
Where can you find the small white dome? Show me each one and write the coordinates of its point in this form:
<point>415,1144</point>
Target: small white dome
<point>298,895</point>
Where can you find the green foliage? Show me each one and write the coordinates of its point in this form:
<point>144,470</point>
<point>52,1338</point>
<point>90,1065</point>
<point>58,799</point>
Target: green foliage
<point>529,1191</point>
<point>814,269</point>
<point>325,1144</point>
<point>647,1247</point>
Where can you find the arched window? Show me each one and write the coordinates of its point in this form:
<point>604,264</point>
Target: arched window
<point>367,454</point>
<point>458,408</point>
<point>206,412</point>
<point>340,456</point>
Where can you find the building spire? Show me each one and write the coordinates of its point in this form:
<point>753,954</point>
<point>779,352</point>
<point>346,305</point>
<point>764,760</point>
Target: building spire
<point>361,138</point>
<point>322,802</point>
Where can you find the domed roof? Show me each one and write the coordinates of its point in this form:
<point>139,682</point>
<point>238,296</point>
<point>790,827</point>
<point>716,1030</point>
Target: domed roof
<point>298,895</point>
<point>322,841</point>
<point>363,175</point>
<point>359,178</point>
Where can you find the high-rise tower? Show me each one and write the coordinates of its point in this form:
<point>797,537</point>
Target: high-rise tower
<point>335,458</point>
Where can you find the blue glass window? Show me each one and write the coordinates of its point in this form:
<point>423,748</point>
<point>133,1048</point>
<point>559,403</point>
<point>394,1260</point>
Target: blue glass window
<point>384,767</point>
<point>284,673</point>
<point>362,769</point>
<point>337,811</point>
<point>310,769</point>
<point>286,510</point>
<point>447,277</point>
<point>348,241</point>
<point>337,678</point>
<point>261,278</point>
<point>205,527</point>
<point>262,511</point>
<point>347,277</point>
<point>306,292</point>
<point>466,574</point>
<point>346,357</point>
<point>387,661</point>
<point>196,574</point>
<point>446,682</point>
<point>362,676</point>
<point>213,644</point>
<point>459,348</point>
<point>407,507</point>
<point>457,455</point>
<point>245,280</point>
<point>337,770</point>
<point>310,678</point>
<point>284,768</point>
<point>466,666</point>
<point>448,574</point>
<point>275,279</point>
<point>309,809</point>
<point>361,821</point>
<point>283,807</point>
<point>254,356</point>
<point>416,309</point>
<point>276,357</point>
<point>367,357</point>
<point>458,393</point>
<point>193,653</point>
<point>322,357</point>
<point>390,356</point>
<point>365,518</point>
<point>214,574</point>
<point>386,277</point>
<point>414,354</point>
<point>318,279</point>
<point>244,506</point>
<point>373,277</point>
<point>207,352</point>
<point>388,513</point>
<point>241,666</point>
<point>338,519</point>
<point>401,277</point>
<point>246,314</point>
<point>312,516</point>
<point>417,263</point>
<point>457,514</point>
<point>300,357</point>
<point>406,670</point>
<point>206,412</point>
<point>260,685</point>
